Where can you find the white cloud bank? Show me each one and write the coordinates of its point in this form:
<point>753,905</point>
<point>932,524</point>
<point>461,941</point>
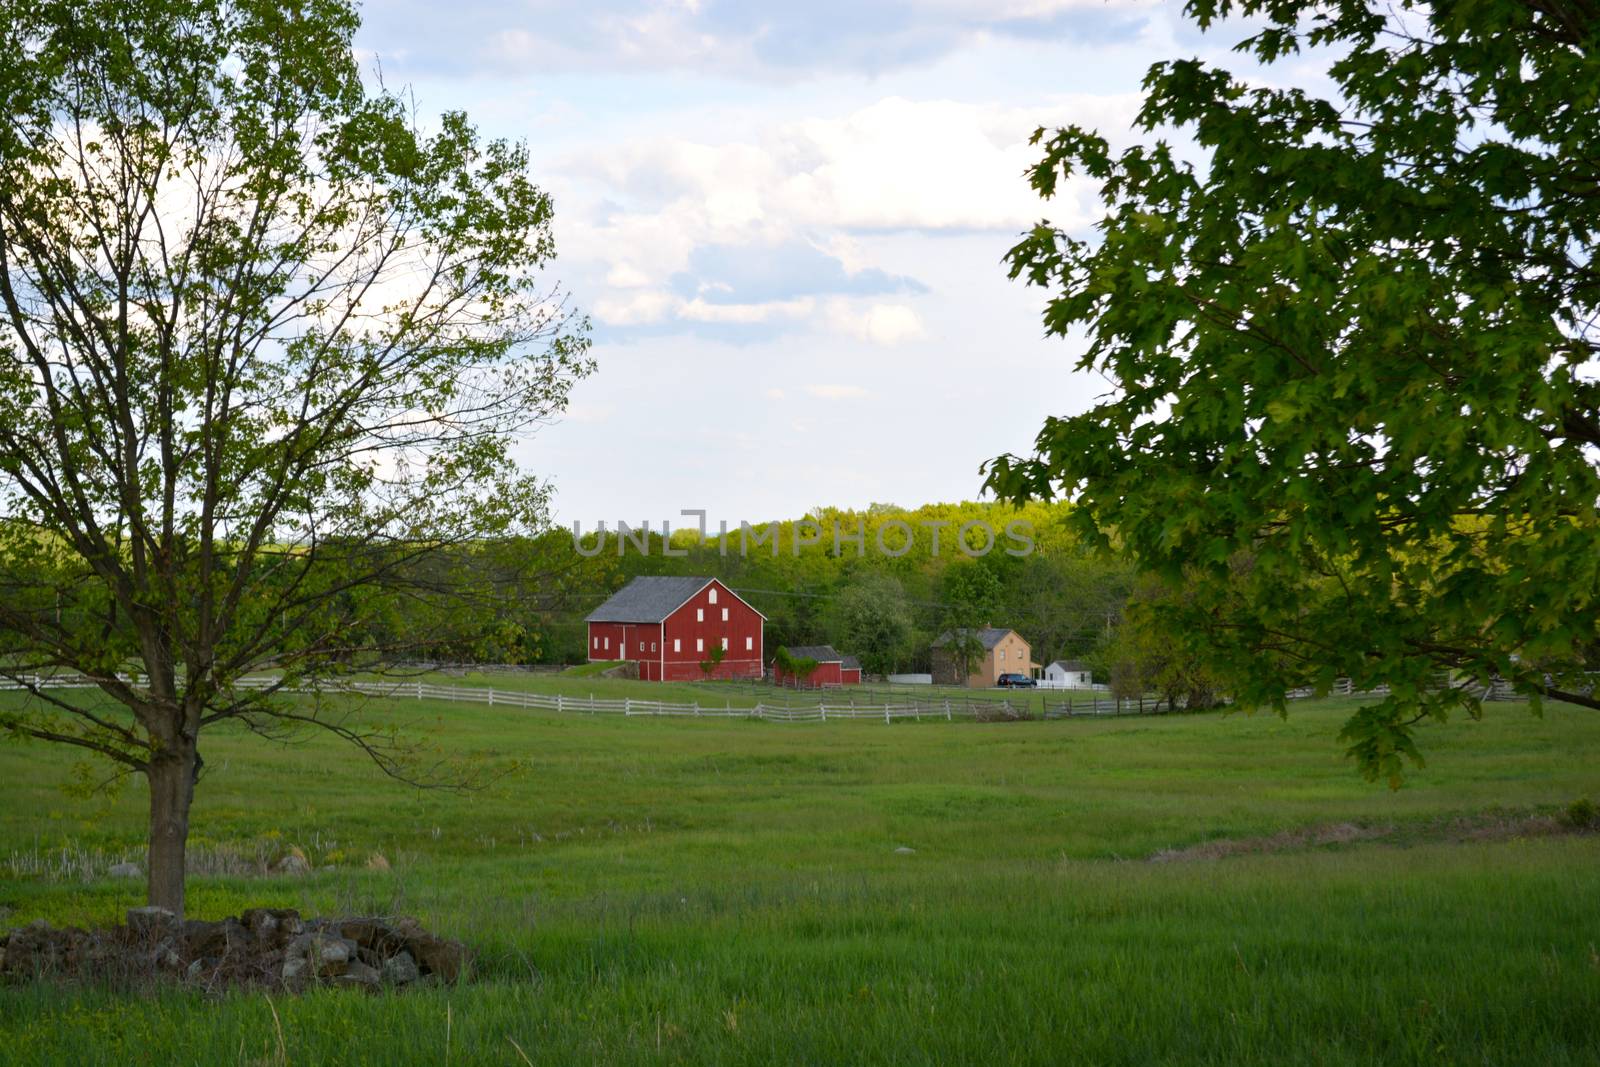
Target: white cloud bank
<point>897,165</point>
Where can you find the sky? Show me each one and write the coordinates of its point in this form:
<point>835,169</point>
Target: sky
<point>787,224</point>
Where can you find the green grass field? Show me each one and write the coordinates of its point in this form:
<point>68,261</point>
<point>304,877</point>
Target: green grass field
<point>729,891</point>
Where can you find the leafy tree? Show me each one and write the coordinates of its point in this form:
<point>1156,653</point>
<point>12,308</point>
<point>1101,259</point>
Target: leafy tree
<point>1353,351</point>
<point>708,666</point>
<point>872,621</point>
<point>800,668</point>
<point>965,651</point>
<point>1142,654</point>
<point>264,349</point>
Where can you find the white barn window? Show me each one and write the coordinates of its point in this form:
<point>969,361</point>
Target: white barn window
<point>724,614</point>
<point>749,644</point>
<point>699,614</point>
<point>712,598</point>
<point>699,644</point>
<point>677,644</point>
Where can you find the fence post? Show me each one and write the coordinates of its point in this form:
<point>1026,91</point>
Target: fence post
<point>419,690</point>
<point>591,703</point>
<point>946,709</point>
<point>558,702</point>
<point>886,715</point>
<point>491,697</point>
<point>627,706</point>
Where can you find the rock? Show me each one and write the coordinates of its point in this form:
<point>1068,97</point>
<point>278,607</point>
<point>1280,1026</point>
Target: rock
<point>323,954</point>
<point>273,926</point>
<point>400,969</point>
<point>375,935</point>
<point>377,862</point>
<point>151,924</point>
<point>904,851</point>
<point>294,862</point>
<point>124,870</point>
<point>359,974</point>
<point>226,938</point>
<point>436,955</point>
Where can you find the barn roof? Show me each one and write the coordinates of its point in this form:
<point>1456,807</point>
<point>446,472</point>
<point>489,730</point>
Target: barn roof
<point>820,653</point>
<point>648,599</point>
<point>989,636</point>
<point>850,663</point>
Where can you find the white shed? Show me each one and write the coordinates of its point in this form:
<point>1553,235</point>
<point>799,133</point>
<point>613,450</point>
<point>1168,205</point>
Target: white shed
<point>1069,674</point>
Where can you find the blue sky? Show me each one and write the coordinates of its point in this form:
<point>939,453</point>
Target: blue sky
<point>787,222</point>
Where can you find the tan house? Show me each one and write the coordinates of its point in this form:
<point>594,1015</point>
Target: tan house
<point>1000,651</point>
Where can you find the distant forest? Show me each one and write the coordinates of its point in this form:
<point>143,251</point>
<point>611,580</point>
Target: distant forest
<point>873,592</point>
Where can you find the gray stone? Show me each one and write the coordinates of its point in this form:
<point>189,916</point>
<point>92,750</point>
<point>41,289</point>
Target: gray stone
<point>359,974</point>
<point>124,870</point>
<point>324,955</point>
<point>400,969</point>
<point>151,924</point>
<point>294,863</point>
<point>294,967</point>
<point>904,851</point>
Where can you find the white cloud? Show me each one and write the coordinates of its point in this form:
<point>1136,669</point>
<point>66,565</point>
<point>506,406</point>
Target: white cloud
<point>925,166</point>
<point>881,324</point>
<point>639,309</point>
<point>698,310</point>
<point>837,392</point>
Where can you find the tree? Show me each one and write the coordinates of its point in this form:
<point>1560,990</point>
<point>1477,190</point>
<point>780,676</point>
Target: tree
<point>265,348</point>
<point>708,666</point>
<point>1142,653</point>
<point>1352,345</point>
<point>873,621</point>
<point>800,668</point>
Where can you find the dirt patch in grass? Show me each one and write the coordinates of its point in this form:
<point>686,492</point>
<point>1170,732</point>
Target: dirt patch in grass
<point>1494,826</point>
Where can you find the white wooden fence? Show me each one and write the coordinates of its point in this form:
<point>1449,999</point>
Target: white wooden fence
<point>834,704</point>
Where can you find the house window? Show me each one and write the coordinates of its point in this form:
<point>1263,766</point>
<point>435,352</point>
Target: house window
<point>652,646</point>
<point>724,614</point>
<point>1002,655</point>
<point>749,644</point>
<point>597,642</point>
<point>712,599</point>
<point>724,644</point>
<point>699,644</point>
<point>641,646</point>
<point>699,614</point>
<point>677,645</point>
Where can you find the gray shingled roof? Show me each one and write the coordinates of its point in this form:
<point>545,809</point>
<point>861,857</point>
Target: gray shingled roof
<point>850,663</point>
<point>820,653</point>
<point>648,599</point>
<point>1070,664</point>
<point>989,636</point>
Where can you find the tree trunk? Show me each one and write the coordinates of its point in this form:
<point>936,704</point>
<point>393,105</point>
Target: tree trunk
<point>171,777</point>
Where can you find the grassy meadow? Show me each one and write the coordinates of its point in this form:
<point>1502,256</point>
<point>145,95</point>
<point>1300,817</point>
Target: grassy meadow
<point>649,891</point>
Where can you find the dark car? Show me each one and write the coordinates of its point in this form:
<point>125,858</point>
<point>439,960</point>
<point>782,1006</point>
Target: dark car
<point>1016,681</point>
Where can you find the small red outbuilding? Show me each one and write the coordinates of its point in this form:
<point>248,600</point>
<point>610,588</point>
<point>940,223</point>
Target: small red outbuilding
<point>832,668</point>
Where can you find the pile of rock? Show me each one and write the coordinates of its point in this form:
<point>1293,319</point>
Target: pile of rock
<point>264,946</point>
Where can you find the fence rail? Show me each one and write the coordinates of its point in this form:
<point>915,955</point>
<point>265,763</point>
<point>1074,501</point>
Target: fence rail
<point>830,704</point>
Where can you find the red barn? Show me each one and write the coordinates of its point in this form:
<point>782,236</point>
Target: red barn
<point>671,625</point>
<point>832,668</point>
